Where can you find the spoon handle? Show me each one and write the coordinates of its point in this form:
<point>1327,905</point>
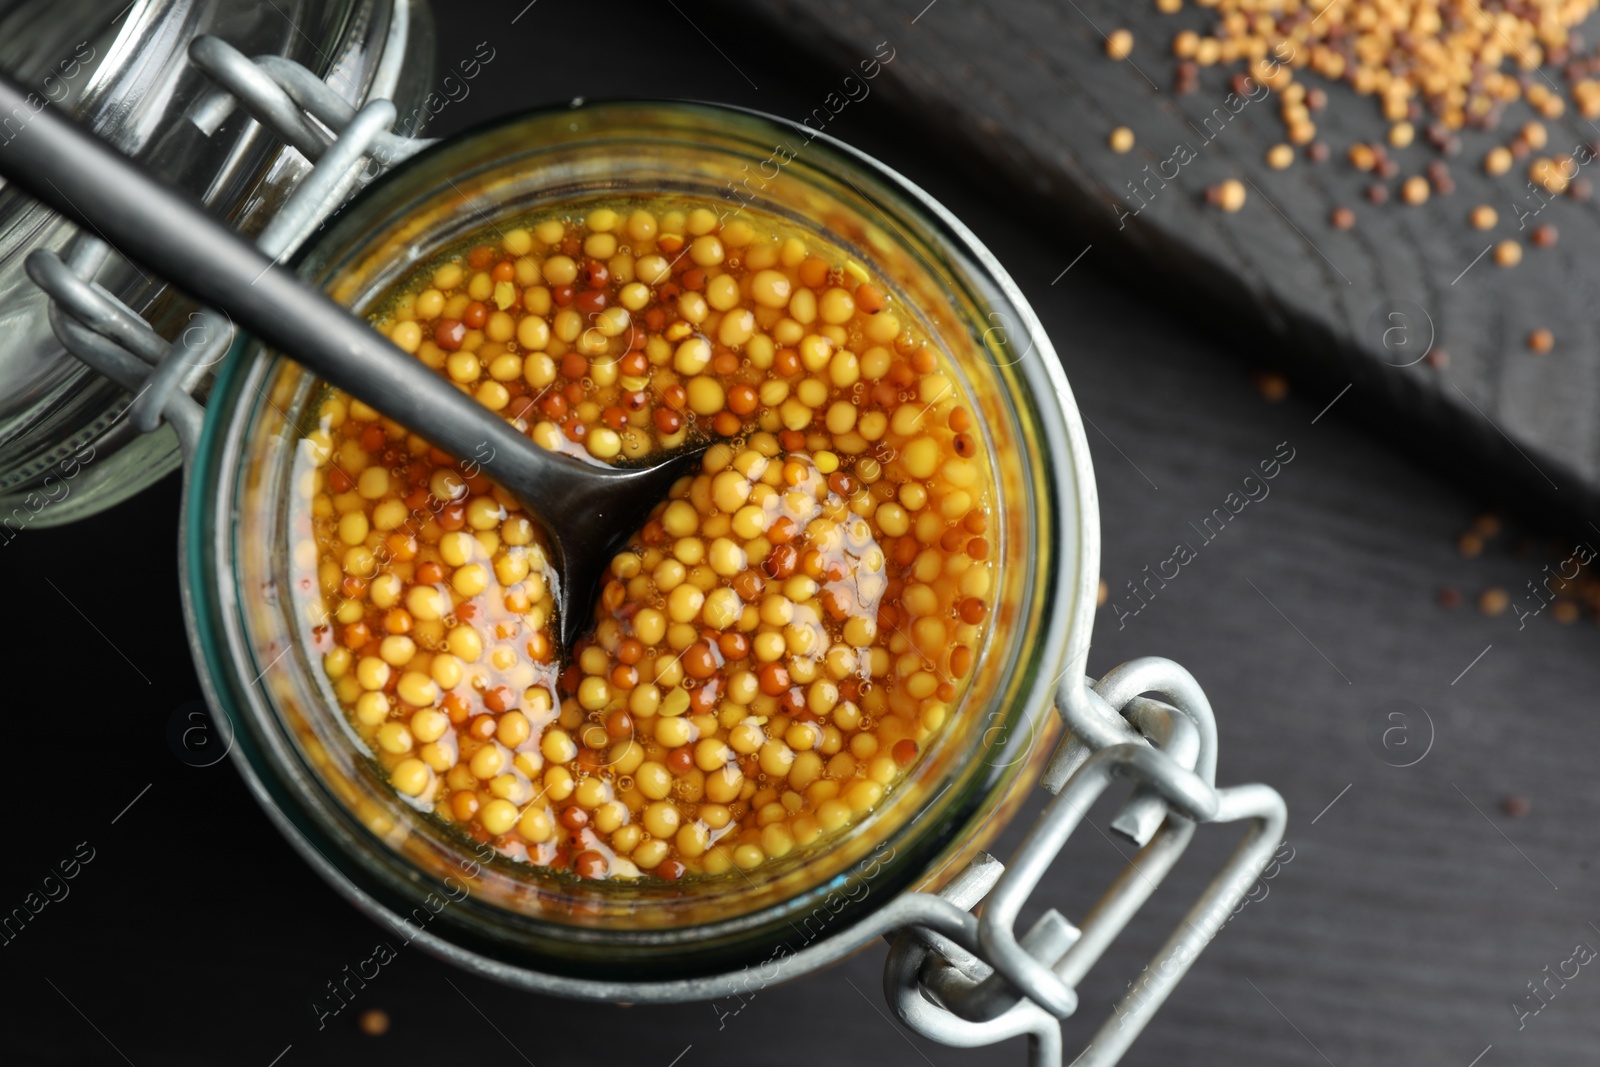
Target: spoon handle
<point>69,169</point>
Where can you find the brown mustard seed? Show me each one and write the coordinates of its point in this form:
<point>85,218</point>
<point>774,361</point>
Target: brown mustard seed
<point>1228,195</point>
<point>1377,193</point>
<point>1342,218</point>
<point>1415,190</point>
<point>1516,806</point>
<point>1508,253</point>
<point>1543,236</point>
<point>1541,341</point>
<point>1484,217</point>
<point>1470,545</point>
<point>1274,388</point>
<point>1280,156</point>
<point>1449,597</point>
<point>1487,525</point>
<point>1121,139</point>
<point>1566,612</point>
<point>1119,44</point>
<point>1318,151</point>
<point>1493,601</point>
<point>1441,138</point>
<point>1438,358</point>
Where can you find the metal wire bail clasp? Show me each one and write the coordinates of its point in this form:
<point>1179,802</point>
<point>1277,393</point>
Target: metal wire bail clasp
<point>1026,984</point>
<point>347,146</point>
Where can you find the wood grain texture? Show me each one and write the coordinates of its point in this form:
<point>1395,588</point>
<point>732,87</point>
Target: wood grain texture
<point>1021,95</point>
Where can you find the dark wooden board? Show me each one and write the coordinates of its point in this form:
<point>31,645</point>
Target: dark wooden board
<point>1398,934</point>
<point>1022,96</point>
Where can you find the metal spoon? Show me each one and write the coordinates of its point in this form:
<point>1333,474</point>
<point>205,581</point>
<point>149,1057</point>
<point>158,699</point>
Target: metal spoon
<point>586,510</point>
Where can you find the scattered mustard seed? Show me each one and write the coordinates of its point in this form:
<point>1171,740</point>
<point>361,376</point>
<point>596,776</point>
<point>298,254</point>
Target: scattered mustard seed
<point>1228,195</point>
<point>1469,545</point>
<point>1103,595</point>
<point>1445,56</point>
<point>1401,134</point>
<point>1362,157</point>
<point>1439,176</point>
<point>1274,388</point>
<point>1493,601</point>
<point>1342,218</point>
<point>1119,44</point>
<point>1169,7</point>
<point>374,1022</point>
<point>1566,612</point>
<point>1552,174</point>
<point>1415,190</point>
<point>1508,253</point>
<point>1487,525</point>
<point>1535,134</point>
<point>1541,341</point>
<point>1518,807</point>
<point>1484,217</point>
<point>1280,156</point>
<point>1121,139</point>
<point>1497,162</point>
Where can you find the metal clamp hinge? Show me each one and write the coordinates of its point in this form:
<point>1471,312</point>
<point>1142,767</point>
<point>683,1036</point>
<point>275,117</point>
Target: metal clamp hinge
<point>1013,985</point>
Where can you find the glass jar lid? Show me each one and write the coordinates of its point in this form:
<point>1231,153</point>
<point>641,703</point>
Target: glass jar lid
<point>123,70</point>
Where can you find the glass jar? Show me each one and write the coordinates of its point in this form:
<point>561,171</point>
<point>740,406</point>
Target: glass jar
<point>646,940</point>
<point>123,71</point>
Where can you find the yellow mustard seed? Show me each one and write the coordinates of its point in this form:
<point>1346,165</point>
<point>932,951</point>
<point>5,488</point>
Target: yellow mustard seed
<point>750,684</point>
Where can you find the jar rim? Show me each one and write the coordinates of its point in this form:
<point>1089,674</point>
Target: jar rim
<point>1064,475</point>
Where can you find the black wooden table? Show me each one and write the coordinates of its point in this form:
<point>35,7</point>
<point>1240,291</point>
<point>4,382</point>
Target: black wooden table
<point>1415,908</point>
